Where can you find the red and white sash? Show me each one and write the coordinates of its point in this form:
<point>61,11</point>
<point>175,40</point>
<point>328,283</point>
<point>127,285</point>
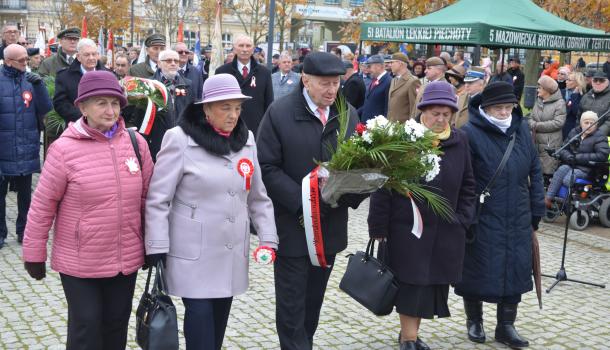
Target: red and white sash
<point>310,195</point>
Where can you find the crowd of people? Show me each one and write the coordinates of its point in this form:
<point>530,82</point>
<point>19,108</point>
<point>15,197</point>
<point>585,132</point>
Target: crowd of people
<point>227,156</point>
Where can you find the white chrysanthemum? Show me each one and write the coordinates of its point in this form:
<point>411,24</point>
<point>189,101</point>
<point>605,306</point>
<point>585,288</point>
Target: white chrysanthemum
<point>377,122</point>
<point>435,161</point>
<point>414,129</point>
<point>366,136</point>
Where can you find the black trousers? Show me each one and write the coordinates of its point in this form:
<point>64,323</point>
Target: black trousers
<point>23,186</point>
<point>98,311</point>
<point>205,322</point>
<point>299,293</point>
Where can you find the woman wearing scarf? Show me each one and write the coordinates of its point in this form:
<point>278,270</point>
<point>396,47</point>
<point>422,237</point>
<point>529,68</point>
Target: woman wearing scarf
<point>498,262</point>
<point>426,266</point>
<point>206,187</point>
<point>93,188</point>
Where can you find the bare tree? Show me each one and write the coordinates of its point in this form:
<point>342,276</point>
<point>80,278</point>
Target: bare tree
<point>252,14</point>
<point>60,12</point>
<point>165,15</point>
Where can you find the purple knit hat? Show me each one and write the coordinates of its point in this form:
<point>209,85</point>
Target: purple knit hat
<point>221,87</point>
<point>439,93</point>
<point>100,83</point>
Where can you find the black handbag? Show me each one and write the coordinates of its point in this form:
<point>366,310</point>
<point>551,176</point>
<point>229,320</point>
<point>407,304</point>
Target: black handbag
<point>369,281</point>
<point>156,320</point>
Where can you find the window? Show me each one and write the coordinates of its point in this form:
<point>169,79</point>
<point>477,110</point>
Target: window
<point>356,3</point>
<point>227,40</point>
<point>332,2</point>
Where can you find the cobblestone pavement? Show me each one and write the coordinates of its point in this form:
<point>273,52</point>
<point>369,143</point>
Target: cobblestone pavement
<point>575,316</point>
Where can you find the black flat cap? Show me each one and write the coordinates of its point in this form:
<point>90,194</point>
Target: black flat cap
<point>348,64</point>
<point>590,73</point>
<point>600,75</point>
<point>323,64</point>
<point>33,51</point>
<point>515,59</point>
<point>69,33</point>
<point>155,40</point>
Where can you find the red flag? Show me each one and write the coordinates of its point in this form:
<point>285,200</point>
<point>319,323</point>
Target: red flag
<point>110,41</point>
<point>84,28</point>
<point>51,42</point>
<point>180,37</point>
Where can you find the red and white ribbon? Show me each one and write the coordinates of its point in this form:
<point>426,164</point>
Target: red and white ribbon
<point>149,118</point>
<point>264,255</point>
<point>310,196</point>
<point>418,222</point>
<point>245,168</point>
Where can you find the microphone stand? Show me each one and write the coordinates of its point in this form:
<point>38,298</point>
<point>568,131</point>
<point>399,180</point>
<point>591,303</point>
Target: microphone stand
<point>561,275</point>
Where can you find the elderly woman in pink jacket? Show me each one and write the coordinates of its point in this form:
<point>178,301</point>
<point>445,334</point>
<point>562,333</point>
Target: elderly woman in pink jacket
<point>205,189</point>
<point>92,191</point>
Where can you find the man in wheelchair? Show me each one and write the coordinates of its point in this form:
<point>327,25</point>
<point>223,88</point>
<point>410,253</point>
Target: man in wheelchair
<point>580,157</point>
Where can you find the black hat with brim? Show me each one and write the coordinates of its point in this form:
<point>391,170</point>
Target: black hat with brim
<point>33,51</point>
<point>323,64</point>
<point>599,75</point>
<point>497,93</point>
<point>155,40</point>
<point>69,33</point>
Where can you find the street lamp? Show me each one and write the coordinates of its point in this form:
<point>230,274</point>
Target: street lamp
<point>270,36</point>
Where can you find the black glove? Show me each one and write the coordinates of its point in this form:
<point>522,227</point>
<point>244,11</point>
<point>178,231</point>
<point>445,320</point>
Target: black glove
<point>568,157</point>
<point>33,78</point>
<point>352,200</point>
<point>153,259</point>
<point>535,222</point>
<point>36,270</point>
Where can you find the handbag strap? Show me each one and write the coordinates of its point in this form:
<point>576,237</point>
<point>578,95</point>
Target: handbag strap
<point>146,288</point>
<point>160,284</point>
<point>134,143</point>
<point>509,149</point>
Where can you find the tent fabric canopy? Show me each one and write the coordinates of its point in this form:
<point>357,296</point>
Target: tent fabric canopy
<point>506,23</point>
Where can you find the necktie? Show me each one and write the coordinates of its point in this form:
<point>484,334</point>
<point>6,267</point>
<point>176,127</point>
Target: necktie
<point>322,112</point>
<point>70,59</point>
<point>244,72</point>
<point>374,83</point>
<point>283,79</point>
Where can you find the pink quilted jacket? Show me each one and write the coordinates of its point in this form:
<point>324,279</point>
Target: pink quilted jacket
<point>93,188</point>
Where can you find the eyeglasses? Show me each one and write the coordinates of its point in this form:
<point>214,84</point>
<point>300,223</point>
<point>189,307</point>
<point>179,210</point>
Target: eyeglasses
<point>183,52</point>
<point>20,60</point>
<point>171,60</point>
<point>22,43</point>
<point>599,80</point>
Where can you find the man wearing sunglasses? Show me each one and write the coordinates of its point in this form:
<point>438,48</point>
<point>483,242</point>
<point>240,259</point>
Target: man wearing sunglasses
<point>188,71</point>
<point>25,102</point>
<point>597,99</point>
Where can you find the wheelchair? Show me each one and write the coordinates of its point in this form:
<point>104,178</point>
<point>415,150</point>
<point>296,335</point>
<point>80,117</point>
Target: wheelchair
<point>590,200</point>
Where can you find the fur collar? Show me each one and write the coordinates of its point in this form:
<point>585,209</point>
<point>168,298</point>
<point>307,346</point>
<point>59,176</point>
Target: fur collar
<point>194,124</point>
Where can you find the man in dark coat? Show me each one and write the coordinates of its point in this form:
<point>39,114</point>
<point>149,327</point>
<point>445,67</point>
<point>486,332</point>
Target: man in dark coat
<point>501,74</point>
<point>180,95</point>
<point>498,263</point>
<point>376,100</point>
<point>353,87</point>
<point>254,80</point>
<point>66,53</point>
<point>517,76</point>
<point>24,101</point>
<point>188,71</point>
<point>155,43</point>
<point>66,82</point>
<point>597,100</point>
<point>295,132</point>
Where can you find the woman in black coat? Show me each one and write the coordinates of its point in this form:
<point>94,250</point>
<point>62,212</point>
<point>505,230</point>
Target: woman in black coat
<point>576,87</point>
<point>498,263</point>
<point>426,266</point>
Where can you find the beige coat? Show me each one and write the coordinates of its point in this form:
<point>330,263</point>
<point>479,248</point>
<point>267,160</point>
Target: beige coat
<point>461,116</point>
<point>546,122</point>
<point>198,211</point>
<point>403,94</point>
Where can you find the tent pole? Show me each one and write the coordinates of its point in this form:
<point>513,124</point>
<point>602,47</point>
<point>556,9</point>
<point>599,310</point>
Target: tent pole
<point>476,59</point>
<point>502,58</point>
<point>597,65</point>
<point>359,53</point>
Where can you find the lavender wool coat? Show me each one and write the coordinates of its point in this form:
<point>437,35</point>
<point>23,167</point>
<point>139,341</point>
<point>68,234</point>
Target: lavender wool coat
<point>197,211</point>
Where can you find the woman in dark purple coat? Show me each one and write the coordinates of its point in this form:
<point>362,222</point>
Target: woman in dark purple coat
<point>426,266</point>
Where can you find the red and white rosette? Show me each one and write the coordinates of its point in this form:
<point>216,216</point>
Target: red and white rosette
<point>245,168</point>
<point>264,255</point>
<point>27,98</point>
<point>310,196</point>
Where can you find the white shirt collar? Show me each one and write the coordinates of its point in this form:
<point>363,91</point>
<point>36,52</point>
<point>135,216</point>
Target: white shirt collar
<point>381,75</point>
<point>312,106</point>
<point>83,70</point>
<point>153,65</point>
<point>240,66</point>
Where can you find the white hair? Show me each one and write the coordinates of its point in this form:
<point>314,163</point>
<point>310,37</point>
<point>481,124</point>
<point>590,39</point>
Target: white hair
<point>166,53</point>
<point>285,54</point>
<point>242,37</point>
<point>85,42</point>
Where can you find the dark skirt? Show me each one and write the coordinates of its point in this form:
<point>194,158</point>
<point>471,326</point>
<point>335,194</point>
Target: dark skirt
<point>423,301</point>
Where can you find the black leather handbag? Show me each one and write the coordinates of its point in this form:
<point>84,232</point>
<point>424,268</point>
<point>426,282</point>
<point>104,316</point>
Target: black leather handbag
<point>369,281</point>
<point>156,320</point>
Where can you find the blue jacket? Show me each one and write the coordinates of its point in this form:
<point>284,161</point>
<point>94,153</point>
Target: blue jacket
<point>20,125</point>
<point>499,262</point>
<point>376,100</point>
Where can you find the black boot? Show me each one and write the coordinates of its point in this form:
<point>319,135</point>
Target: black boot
<point>20,238</point>
<point>408,345</point>
<point>418,343</point>
<point>474,320</point>
<point>505,330</point>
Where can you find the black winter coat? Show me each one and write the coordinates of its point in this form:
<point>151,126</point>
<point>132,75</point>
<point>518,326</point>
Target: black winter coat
<point>572,106</point>
<point>196,77</point>
<point>258,85</point>
<point>66,91</point>
<point>290,139</point>
<point>436,257</point>
<point>499,262</point>
<point>598,102</point>
<point>593,148</point>
<point>166,118</point>
<point>354,90</point>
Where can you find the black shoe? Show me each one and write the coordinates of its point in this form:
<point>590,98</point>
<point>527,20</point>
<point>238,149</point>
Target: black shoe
<point>408,345</point>
<point>1,242</point>
<point>20,238</point>
<point>474,320</point>
<point>419,343</point>
<point>505,330</point>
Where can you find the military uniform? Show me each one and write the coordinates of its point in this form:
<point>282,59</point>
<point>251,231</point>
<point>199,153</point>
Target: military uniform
<point>58,61</point>
<point>143,69</point>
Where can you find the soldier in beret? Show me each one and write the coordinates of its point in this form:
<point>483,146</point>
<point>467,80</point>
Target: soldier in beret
<point>296,131</point>
<point>34,59</point>
<point>155,43</point>
<point>66,53</point>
